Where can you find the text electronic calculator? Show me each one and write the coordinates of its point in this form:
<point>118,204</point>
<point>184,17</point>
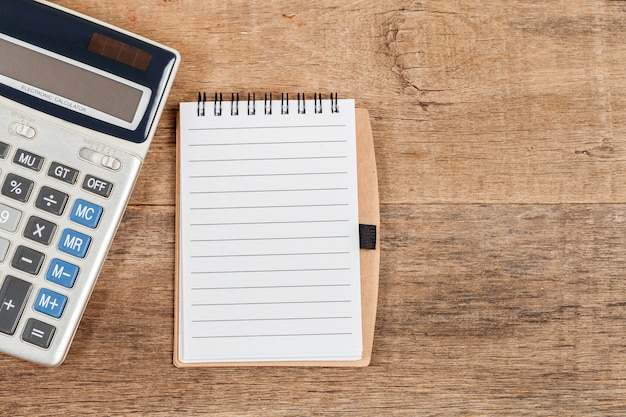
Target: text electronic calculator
<point>79,104</point>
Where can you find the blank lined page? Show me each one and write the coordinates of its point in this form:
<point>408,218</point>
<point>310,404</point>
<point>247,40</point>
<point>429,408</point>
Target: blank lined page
<point>269,236</point>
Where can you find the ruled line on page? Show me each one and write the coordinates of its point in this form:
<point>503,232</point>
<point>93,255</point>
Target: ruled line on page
<point>267,143</point>
<point>256,127</point>
<point>240,271</point>
<point>273,303</point>
<point>272,335</point>
<point>271,238</point>
<point>268,175</point>
<point>270,207</point>
<point>286,158</point>
<point>267,286</point>
<point>278,319</point>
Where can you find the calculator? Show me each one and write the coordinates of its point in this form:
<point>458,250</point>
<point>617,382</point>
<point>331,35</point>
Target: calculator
<point>80,101</point>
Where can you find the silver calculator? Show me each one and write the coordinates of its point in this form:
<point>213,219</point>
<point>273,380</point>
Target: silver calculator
<point>79,104</point>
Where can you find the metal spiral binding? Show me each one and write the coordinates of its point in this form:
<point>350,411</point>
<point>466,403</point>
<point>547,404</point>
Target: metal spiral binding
<point>251,108</point>
<point>334,103</point>
<point>301,104</point>
<point>284,103</point>
<point>317,101</point>
<point>234,104</point>
<point>217,105</point>
<point>201,103</point>
<point>268,104</point>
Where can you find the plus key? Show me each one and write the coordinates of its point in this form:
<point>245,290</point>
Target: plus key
<point>13,295</point>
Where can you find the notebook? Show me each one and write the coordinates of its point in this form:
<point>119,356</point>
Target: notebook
<point>269,258</point>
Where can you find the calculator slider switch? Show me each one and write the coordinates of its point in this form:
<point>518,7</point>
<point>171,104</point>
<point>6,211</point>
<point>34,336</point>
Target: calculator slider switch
<point>23,130</point>
<point>111,162</point>
<point>98,158</point>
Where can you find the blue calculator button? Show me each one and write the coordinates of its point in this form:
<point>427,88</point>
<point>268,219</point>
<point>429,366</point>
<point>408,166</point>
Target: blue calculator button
<point>50,303</point>
<point>86,213</point>
<point>74,243</point>
<point>62,273</point>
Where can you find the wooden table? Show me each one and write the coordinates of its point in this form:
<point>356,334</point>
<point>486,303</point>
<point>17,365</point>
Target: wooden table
<point>499,131</point>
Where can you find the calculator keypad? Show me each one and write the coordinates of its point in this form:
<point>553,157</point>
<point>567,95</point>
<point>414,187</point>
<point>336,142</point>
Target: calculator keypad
<point>14,293</point>
<point>51,214</point>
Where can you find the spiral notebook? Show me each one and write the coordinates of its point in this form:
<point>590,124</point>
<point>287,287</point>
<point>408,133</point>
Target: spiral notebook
<point>269,265</point>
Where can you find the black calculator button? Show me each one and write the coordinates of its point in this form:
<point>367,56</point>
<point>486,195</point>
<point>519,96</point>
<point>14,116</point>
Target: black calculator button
<point>28,160</point>
<point>39,230</point>
<point>13,295</point>
<point>51,200</point>
<point>97,185</point>
<point>17,188</point>
<point>4,150</point>
<point>27,260</point>
<point>63,173</point>
<point>38,333</point>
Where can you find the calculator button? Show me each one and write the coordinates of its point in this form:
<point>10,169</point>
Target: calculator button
<point>63,173</point>
<point>17,188</point>
<point>86,213</point>
<point>74,243</point>
<point>4,247</point>
<point>51,200</point>
<point>39,230</point>
<point>4,149</point>
<point>50,303</point>
<point>27,260</point>
<point>28,160</point>
<point>38,333</point>
<point>9,218</point>
<point>62,273</point>
<point>13,295</point>
<point>97,186</point>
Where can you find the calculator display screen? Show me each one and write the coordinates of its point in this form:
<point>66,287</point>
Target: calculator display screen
<point>71,84</point>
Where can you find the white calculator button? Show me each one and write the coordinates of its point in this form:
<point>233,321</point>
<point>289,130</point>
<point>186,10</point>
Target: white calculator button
<point>4,247</point>
<point>9,218</point>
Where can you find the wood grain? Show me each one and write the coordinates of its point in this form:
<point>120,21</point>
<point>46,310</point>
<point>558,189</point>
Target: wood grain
<point>499,132</point>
